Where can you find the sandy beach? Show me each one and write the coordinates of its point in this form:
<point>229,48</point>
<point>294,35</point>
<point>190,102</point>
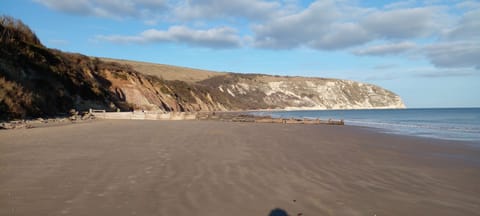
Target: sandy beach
<point>122,167</point>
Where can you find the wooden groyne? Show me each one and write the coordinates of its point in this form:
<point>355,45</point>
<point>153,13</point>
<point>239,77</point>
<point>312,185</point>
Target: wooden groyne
<point>299,121</point>
<point>239,117</point>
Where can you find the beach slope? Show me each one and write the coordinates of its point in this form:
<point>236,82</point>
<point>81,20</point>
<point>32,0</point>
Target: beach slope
<point>223,168</point>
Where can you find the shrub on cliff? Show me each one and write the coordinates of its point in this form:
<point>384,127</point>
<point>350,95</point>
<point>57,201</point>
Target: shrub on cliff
<point>13,30</point>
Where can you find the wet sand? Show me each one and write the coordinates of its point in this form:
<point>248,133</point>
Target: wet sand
<point>126,167</point>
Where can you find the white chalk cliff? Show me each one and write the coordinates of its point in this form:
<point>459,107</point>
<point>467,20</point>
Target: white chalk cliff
<point>272,92</point>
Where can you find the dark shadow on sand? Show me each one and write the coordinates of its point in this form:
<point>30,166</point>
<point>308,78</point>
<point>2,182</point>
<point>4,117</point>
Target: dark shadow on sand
<point>278,212</point>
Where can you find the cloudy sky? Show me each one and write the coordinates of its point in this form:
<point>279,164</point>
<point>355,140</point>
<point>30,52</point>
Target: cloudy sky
<point>428,52</point>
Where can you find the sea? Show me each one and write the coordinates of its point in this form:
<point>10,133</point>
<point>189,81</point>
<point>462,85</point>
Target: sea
<point>462,124</point>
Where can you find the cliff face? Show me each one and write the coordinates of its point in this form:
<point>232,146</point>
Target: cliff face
<point>37,81</point>
<point>307,93</point>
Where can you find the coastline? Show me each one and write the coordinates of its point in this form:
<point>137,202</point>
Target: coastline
<point>440,123</point>
<point>124,167</point>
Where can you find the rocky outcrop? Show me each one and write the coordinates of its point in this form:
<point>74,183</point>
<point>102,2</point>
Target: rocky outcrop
<point>36,81</point>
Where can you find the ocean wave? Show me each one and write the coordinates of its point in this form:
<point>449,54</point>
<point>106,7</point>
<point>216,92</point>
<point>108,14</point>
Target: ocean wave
<point>416,125</point>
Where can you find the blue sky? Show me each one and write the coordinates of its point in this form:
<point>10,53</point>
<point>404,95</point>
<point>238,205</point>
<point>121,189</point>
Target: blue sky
<point>428,52</point>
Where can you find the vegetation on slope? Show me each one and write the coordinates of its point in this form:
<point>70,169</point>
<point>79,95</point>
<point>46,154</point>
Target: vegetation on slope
<point>168,72</point>
<point>36,81</point>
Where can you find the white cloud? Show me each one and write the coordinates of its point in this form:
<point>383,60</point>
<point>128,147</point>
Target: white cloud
<point>208,9</point>
<point>76,7</point>
<point>403,23</point>
<point>386,49</point>
<point>454,54</point>
<point>177,10</point>
<point>217,38</point>
<point>436,73</point>
<point>450,30</point>
<point>401,4</point>
<point>108,8</point>
<point>329,25</point>
<point>303,28</point>
<point>459,45</point>
<point>468,28</point>
<point>468,5</point>
<point>342,35</point>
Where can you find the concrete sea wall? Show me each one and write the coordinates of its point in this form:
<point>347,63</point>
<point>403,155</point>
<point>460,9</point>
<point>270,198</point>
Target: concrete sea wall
<point>144,115</point>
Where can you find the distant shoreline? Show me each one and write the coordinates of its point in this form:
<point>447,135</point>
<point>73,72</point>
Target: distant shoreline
<point>441,123</point>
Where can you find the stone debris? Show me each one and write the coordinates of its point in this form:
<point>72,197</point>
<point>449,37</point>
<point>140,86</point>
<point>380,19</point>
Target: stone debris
<point>13,125</point>
<point>42,122</point>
